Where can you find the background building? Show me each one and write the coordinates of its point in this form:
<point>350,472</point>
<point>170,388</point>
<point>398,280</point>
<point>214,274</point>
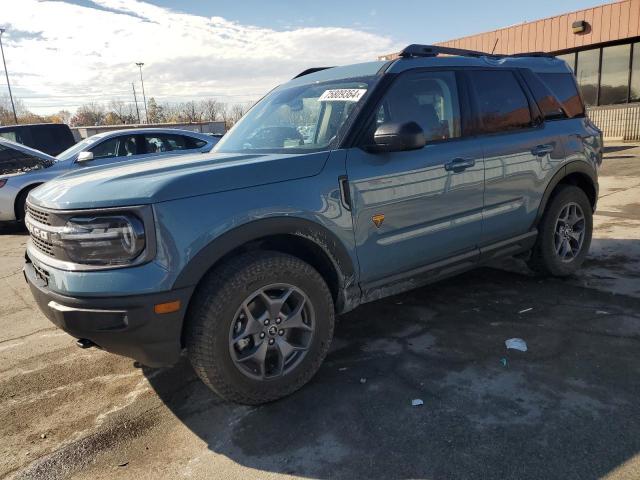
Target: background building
<point>601,44</point>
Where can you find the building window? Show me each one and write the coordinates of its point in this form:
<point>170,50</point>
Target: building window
<point>587,75</point>
<point>635,73</point>
<point>614,78</point>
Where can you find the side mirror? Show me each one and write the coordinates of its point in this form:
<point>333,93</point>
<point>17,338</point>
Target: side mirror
<point>84,157</point>
<point>397,137</point>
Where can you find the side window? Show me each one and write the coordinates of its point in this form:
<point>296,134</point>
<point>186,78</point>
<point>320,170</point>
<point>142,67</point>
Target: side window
<point>10,136</point>
<point>564,87</point>
<point>194,142</point>
<point>160,143</point>
<point>428,98</point>
<point>125,146</point>
<point>501,102</point>
<point>547,101</point>
<point>156,143</point>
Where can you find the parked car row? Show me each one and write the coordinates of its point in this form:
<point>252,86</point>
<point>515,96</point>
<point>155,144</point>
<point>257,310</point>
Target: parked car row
<point>340,187</point>
<point>23,168</point>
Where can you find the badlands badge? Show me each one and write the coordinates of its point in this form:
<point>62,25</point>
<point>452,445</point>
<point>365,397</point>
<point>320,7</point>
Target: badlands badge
<point>377,219</point>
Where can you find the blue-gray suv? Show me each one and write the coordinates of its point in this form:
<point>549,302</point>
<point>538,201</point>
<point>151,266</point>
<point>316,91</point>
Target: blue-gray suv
<point>342,186</point>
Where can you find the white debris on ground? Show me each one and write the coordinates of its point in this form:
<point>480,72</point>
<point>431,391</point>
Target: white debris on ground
<point>516,344</point>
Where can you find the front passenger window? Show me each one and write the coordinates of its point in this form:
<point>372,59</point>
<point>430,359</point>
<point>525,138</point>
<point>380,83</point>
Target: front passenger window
<point>125,146</point>
<point>428,98</point>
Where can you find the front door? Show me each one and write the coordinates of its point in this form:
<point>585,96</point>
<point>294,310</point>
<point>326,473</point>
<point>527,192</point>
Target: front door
<point>413,208</point>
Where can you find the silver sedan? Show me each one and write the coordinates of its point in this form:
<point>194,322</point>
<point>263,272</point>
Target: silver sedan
<point>23,168</point>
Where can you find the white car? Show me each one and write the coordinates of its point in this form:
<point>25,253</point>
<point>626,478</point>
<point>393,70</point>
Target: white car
<point>23,168</point>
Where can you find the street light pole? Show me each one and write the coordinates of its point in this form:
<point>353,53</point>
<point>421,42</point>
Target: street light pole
<point>135,99</point>
<point>144,97</point>
<point>15,117</point>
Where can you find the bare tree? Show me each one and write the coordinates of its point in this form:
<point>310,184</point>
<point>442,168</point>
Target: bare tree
<point>120,112</point>
<point>211,110</point>
<point>191,112</point>
<point>88,114</point>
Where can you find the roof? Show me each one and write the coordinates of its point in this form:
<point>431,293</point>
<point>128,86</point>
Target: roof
<point>117,132</point>
<point>537,64</point>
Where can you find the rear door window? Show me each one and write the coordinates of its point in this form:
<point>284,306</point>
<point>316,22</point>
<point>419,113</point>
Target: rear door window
<point>501,104</point>
<point>160,143</point>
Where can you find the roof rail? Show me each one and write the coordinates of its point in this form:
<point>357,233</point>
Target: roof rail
<point>416,50</point>
<point>310,70</point>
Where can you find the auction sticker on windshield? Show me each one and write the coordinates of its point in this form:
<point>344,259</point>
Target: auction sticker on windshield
<point>342,95</point>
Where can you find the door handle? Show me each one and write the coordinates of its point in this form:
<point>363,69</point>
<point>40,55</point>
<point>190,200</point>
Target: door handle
<point>459,164</point>
<point>542,150</point>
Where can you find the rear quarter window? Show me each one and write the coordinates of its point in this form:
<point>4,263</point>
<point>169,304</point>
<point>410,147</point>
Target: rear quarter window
<point>549,105</point>
<point>564,87</point>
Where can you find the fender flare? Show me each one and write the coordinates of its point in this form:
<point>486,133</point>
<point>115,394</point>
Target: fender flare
<point>319,235</point>
<point>576,166</point>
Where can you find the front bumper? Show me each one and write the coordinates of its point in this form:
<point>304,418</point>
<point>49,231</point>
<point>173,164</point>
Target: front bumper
<point>125,325</point>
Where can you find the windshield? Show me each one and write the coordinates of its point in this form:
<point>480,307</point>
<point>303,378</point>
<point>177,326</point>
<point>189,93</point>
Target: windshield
<point>14,161</point>
<point>77,148</point>
<point>298,119</point>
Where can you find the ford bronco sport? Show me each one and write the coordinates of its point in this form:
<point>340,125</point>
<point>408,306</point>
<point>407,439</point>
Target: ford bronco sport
<point>342,186</point>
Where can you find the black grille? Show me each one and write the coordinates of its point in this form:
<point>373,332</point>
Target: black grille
<point>38,215</point>
<point>43,245</point>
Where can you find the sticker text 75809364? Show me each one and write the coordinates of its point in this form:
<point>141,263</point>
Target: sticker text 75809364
<point>342,95</point>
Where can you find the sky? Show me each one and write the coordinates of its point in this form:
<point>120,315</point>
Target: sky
<point>63,53</point>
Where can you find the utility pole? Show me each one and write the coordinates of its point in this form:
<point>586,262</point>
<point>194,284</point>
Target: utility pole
<point>15,117</point>
<point>135,99</point>
<point>144,97</point>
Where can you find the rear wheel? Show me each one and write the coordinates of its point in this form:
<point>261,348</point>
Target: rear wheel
<point>564,233</point>
<point>259,327</point>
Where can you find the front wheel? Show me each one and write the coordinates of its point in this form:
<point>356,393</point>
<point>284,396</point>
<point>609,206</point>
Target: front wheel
<point>259,327</point>
<point>564,233</point>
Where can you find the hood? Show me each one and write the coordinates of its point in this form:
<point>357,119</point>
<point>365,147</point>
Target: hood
<point>171,178</point>
<point>17,159</point>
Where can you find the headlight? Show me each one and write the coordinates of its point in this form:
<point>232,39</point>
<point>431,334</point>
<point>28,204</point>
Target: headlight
<point>103,239</point>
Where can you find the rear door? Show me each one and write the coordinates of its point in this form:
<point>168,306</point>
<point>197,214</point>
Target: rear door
<point>519,151</point>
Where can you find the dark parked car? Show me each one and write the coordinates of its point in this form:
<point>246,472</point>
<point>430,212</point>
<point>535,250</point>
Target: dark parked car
<point>409,171</point>
<point>50,138</point>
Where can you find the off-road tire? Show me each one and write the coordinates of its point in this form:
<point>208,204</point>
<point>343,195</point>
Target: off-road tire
<point>214,307</point>
<point>544,259</point>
